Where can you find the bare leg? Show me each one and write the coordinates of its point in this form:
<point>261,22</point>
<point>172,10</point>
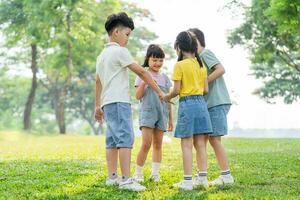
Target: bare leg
<point>125,159</point>
<point>157,145</point>
<point>146,144</point>
<point>220,152</point>
<point>112,160</point>
<point>200,142</point>
<point>187,157</point>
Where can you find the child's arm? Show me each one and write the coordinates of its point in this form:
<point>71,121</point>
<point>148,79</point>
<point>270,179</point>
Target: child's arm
<point>146,77</point>
<point>98,111</point>
<point>139,90</point>
<point>175,91</point>
<point>218,70</point>
<point>170,123</point>
<point>205,86</point>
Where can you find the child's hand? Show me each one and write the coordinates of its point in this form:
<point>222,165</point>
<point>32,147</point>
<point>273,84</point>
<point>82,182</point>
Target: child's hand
<point>99,115</point>
<point>161,96</point>
<point>170,126</point>
<point>167,99</point>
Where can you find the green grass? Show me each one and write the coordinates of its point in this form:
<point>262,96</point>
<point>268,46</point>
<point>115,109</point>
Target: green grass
<point>73,167</point>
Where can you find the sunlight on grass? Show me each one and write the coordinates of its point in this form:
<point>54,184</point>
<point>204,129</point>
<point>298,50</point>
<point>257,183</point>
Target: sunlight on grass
<point>74,167</point>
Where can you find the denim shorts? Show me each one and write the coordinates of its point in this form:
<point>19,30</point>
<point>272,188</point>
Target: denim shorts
<point>193,117</point>
<point>218,117</point>
<point>119,131</point>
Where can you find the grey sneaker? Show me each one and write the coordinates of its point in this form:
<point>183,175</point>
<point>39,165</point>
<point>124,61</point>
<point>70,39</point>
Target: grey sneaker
<point>111,182</point>
<point>223,180</point>
<point>200,182</point>
<point>130,184</point>
<point>138,177</point>
<point>184,185</point>
<point>155,178</point>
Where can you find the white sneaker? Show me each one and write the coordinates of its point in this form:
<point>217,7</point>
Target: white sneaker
<point>184,184</point>
<point>138,177</point>
<point>130,184</point>
<point>223,180</point>
<point>111,182</point>
<point>155,178</point>
<point>200,182</point>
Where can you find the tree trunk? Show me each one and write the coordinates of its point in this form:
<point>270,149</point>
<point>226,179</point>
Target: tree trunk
<point>31,96</point>
<point>61,93</point>
<point>59,107</point>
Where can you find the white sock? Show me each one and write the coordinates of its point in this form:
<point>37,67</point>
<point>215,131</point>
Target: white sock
<point>139,169</point>
<point>155,168</point>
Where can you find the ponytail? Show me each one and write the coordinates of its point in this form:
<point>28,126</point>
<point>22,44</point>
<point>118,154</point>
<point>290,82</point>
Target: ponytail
<point>199,59</point>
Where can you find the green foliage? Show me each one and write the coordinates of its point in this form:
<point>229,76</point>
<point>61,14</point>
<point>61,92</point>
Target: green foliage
<point>69,35</point>
<point>271,33</point>
<point>74,167</point>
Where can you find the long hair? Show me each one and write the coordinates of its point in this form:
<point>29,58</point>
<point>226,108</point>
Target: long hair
<point>187,43</point>
<point>154,51</point>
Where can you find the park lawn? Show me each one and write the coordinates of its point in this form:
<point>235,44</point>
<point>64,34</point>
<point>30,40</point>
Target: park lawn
<point>73,167</point>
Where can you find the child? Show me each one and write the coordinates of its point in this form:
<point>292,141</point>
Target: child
<point>218,103</point>
<point>193,123</point>
<point>112,95</point>
<point>153,114</point>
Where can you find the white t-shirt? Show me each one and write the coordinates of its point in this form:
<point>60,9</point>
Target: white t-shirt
<point>113,72</point>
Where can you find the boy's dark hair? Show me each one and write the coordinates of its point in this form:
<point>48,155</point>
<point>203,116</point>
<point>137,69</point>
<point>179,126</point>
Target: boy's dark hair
<point>199,35</point>
<point>187,43</point>
<point>119,19</point>
<point>155,51</point>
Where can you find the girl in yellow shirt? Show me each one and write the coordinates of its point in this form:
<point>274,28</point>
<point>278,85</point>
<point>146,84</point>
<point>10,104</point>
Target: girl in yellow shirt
<point>193,124</point>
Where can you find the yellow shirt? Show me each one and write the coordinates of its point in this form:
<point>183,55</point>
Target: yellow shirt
<point>191,75</point>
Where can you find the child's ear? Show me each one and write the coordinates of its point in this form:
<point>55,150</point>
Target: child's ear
<point>115,31</point>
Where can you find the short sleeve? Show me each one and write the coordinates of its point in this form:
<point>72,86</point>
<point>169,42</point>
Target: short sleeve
<point>138,81</point>
<point>97,66</point>
<point>177,72</point>
<point>209,58</point>
<point>125,57</point>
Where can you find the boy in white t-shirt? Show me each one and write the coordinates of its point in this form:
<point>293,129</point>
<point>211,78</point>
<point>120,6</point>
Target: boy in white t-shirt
<point>113,101</point>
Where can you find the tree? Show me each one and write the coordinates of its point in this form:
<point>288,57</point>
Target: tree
<point>271,32</point>
<point>81,99</point>
<point>21,24</point>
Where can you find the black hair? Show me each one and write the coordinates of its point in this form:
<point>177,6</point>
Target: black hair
<point>187,43</point>
<point>155,51</point>
<point>199,35</point>
<point>119,19</point>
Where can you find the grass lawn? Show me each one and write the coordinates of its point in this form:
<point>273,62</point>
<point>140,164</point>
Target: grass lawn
<point>73,167</point>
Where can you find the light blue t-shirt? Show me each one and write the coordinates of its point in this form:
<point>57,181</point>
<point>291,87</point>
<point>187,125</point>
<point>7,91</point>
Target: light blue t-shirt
<point>218,93</point>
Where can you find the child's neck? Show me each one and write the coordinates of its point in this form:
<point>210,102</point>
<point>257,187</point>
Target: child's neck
<point>188,55</point>
<point>152,71</point>
<point>112,40</point>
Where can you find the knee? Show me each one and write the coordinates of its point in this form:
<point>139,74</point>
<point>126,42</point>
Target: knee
<point>199,144</point>
<point>157,146</point>
<point>214,141</point>
<point>146,147</point>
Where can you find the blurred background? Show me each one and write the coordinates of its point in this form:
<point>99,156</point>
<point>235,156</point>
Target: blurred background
<point>48,51</point>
